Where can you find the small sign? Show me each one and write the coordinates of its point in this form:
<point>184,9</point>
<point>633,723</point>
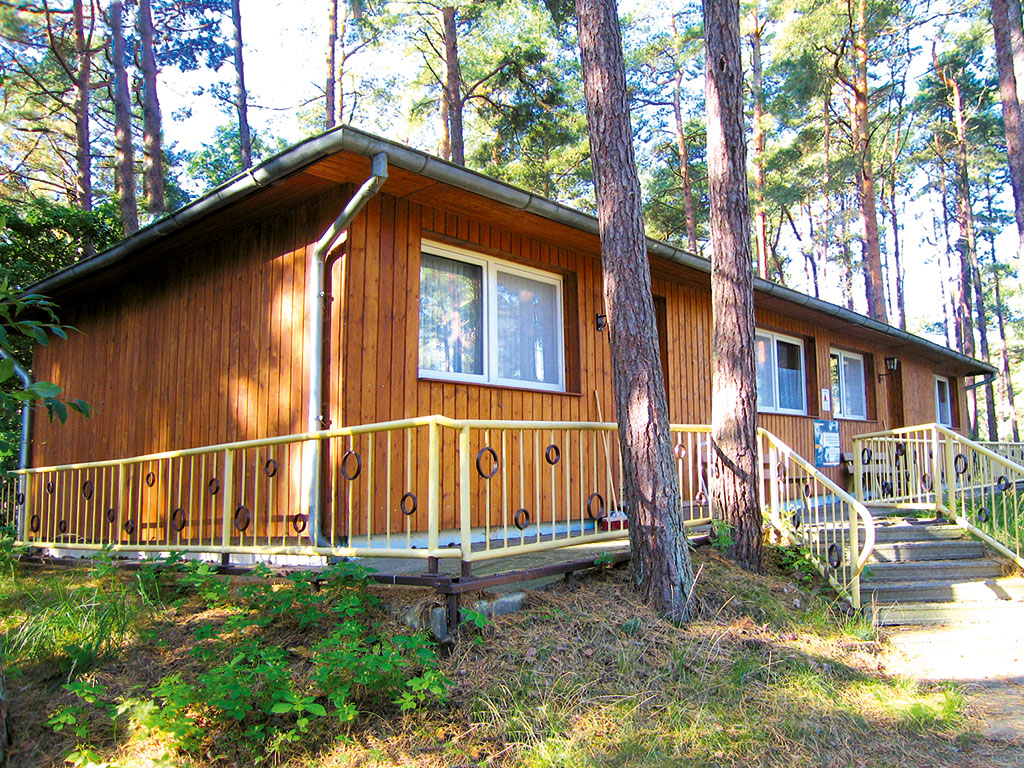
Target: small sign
<point>826,399</point>
<point>827,451</point>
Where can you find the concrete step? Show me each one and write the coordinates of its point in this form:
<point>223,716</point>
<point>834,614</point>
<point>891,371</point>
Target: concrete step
<point>957,590</point>
<point>934,570</point>
<point>902,532</point>
<point>915,551</point>
<point>887,533</point>
<point>1000,613</point>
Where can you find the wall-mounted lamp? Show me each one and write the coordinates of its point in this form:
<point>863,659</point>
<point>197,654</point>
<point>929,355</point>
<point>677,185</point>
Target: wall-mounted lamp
<point>602,322</point>
<point>891,364</point>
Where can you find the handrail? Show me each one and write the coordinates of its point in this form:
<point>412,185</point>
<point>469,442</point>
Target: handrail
<point>987,452</point>
<point>776,482</point>
<point>978,488</point>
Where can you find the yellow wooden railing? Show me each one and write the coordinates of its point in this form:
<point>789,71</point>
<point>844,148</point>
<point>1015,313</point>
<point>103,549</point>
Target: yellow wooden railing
<point>975,485</point>
<point>811,511</point>
<point>429,487</point>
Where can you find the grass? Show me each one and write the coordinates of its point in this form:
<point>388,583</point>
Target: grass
<point>771,674</point>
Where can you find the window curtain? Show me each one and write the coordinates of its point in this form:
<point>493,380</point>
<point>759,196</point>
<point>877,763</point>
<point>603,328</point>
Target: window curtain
<point>451,315</point>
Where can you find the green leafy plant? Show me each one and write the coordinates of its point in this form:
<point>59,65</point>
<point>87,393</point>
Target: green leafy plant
<point>721,535</point>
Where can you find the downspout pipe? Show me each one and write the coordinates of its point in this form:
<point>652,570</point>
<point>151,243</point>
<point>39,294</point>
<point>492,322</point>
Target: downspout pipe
<point>26,431</point>
<point>26,409</point>
<point>982,383</point>
<point>316,301</point>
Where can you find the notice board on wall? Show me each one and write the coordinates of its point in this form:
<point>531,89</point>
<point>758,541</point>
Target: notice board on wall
<point>826,443</point>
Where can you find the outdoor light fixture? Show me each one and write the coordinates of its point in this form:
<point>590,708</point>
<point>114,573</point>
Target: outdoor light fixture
<point>891,364</point>
<point>602,322</point>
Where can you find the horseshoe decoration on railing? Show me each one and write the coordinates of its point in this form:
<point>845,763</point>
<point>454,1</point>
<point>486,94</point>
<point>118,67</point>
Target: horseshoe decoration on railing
<point>487,450</point>
<point>521,519</point>
<point>600,514</point>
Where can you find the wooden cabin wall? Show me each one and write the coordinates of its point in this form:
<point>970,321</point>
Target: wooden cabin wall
<point>206,345</point>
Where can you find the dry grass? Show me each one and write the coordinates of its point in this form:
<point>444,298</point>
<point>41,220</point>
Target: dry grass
<point>769,676</point>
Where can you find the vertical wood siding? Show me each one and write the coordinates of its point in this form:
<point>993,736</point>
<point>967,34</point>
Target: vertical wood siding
<point>206,345</point>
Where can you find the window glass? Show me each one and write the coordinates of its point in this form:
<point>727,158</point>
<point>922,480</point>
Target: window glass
<point>791,375</point>
<point>835,371</point>
<point>528,329</point>
<point>855,404</point>
<point>765,377</point>
<point>451,316</point>
<point>780,373</point>
<point>943,411</point>
<point>487,321</point>
<point>849,396</point>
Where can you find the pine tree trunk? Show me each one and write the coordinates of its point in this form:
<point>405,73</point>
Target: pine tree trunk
<point>660,560</point>
<point>734,397</point>
<point>1004,357</point>
<point>83,85</point>
<point>872,254</point>
<point>760,222</point>
<point>1012,124</point>
<point>684,166</point>
<point>845,257</point>
<point>1017,42</point>
<point>124,148</point>
<point>901,304</point>
<point>453,86</point>
<point>152,131</point>
<point>332,44</point>
<point>241,94</point>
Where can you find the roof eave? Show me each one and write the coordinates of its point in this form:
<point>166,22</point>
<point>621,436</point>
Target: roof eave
<point>348,139</point>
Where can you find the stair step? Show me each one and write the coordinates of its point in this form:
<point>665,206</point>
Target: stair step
<point>917,532</point>
<point>956,590</point>
<point>999,612</point>
<point>898,552</point>
<point>934,570</point>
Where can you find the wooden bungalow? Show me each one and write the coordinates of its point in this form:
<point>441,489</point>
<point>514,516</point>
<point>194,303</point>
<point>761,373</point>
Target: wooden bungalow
<point>443,292</point>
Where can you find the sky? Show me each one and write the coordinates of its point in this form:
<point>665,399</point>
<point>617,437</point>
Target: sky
<point>285,69</point>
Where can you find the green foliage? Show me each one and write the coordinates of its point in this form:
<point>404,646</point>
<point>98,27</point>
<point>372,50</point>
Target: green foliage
<point>40,237</point>
<point>220,159</point>
<point>721,535</point>
<point>75,628</point>
<point>259,697</point>
<point>799,562</point>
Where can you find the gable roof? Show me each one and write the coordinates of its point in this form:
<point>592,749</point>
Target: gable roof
<point>345,139</point>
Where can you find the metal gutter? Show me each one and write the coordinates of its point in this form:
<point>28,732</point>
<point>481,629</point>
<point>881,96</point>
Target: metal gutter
<point>347,139</point>
<point>316,299</point>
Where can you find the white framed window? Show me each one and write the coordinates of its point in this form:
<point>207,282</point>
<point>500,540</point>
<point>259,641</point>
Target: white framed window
<point>943,402</point>
<point>849,396</point>
<point>488,321</point>
<point>781,382</point>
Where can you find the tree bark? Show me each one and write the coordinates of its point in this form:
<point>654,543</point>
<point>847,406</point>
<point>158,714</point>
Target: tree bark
<point>1017,41</point>
<point>1004,357</point>
<point>661,566</point>
<point>901,304</point>
<point>684,169</point>
<point>124,149</point>
<point>241,94</point>
<point>332,44</point>
<point>684,150</point>
<point>453,86</point>
<point>733,380</point>
<point>760,222</point>
<point>966,242</point>
<point>83,85</point>
<point>152,131</point>
<point>872,254</point>
<point>1012,124</point>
